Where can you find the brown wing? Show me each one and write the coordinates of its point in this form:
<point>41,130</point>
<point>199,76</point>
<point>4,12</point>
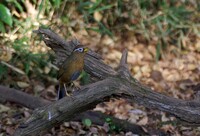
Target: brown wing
<point>60,73</point>
<point>65,66</point>
<point>68,65</point>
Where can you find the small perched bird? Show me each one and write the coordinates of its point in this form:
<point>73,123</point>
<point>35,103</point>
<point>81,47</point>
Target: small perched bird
<point>71,69</point>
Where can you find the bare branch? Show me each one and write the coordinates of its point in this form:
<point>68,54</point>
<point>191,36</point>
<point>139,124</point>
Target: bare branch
<point>123,66</point>
<point>19,97</point>
<point>123,61</point>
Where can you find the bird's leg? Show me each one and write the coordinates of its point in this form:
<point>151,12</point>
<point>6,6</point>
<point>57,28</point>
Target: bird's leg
<point>74,88</point>
<point>71,84</point>
<point>66,90</point>
<point>58,93</point>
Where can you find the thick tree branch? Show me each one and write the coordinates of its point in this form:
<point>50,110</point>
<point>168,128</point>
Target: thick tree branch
<point>114,83</point>
<point>98,118</point>
<point>67,108</point>
<point>19,97</point>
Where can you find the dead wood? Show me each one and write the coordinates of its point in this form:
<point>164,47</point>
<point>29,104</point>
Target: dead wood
<point>21,98</point>
<point>113,83</point>
<point>32,102</point>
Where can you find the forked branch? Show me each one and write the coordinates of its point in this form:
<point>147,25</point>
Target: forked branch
<point>111,83</point>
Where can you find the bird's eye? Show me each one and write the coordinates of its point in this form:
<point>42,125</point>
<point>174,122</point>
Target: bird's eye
<point>78,50</point>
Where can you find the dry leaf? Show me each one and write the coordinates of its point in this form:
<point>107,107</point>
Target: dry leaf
<point>6,56</point>
<point>10,130</point>
<point>143,121</point>
<point>38,88</point>
<point>137,111</point>
<point>97,16</point>
<point>197,45</point>
<point>47,69</point>
<point>145,69</point>
<point>164,118</point>
<point>22,84</point>
<point>191,66</point>
<point>156,75</point>
<point>3,108</point>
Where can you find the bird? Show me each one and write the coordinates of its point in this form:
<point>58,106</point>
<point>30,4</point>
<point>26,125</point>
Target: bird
<point>71,69</point>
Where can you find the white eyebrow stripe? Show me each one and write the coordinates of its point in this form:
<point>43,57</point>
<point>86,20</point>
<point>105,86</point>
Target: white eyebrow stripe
<point>79,49</point>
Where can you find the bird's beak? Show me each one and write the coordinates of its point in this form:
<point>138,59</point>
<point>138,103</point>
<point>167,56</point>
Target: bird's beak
<point>86,49</point>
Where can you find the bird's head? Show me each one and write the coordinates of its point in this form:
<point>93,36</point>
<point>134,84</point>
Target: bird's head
<point>81,49</point>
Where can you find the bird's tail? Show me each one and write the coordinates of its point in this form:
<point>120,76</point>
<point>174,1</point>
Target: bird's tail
<point>61,92</point>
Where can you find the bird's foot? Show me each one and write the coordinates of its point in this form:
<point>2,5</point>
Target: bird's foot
<point>71,85</point>
<point>76,88</point>
<point>67,94</point>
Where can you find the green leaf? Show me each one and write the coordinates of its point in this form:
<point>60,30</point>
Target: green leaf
<point>17,4</point>
<point>2,28</point>
<point>112,127</point>
<point>27,67</point>
<point>56,3</point>
<point>96,29</point>
<point>87,122</point>
<point>5,15</point>
<point>101,8</point>
<point>85,78</point>
<point>41,5</point>
<point>84,5</point>
<point>158,52</point>
<point>104,29</point>
<point>3,72</point>
<point>108,120</point>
